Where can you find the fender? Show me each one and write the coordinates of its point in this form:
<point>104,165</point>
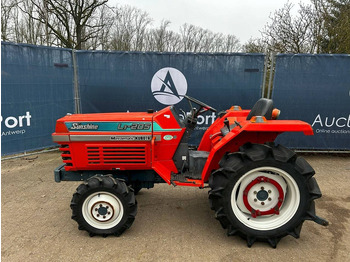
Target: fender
<point>259,133</point>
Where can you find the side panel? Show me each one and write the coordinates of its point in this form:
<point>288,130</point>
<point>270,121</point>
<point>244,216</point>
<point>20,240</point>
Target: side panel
<point>167,134</point>
<point>107,145</point>
<point>108,156</point>
<point>144,142</point>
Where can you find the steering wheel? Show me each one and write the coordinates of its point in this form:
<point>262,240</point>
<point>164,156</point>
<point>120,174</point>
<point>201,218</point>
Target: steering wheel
<point>204,107</point>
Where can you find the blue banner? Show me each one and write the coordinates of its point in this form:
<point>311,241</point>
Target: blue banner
<point>316,89</point>
<point>36,90</point>
<point>37,86</point>
<point>137,81</point>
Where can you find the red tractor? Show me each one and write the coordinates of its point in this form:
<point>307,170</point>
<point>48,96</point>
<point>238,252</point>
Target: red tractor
<point>258,190</point>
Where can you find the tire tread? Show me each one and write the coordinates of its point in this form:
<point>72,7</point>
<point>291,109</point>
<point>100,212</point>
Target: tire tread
<point>108,182</point>
<point>233,163</point>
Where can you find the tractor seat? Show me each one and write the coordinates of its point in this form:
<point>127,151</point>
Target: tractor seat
<point>263,107</point>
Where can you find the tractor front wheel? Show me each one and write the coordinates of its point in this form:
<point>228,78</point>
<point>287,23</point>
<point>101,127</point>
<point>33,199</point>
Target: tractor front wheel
<point>263,193</point>
<point>104,206</point>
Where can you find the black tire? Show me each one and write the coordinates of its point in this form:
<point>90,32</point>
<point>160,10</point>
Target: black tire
<point>104,206</point>
<point>240,196</point>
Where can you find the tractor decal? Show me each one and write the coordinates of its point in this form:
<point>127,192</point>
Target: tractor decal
<point>116,127</point>
<point>81,138</point>
<point>158,128</point>
<point>109,126</point>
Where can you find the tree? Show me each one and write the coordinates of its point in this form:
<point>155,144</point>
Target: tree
<point>129,28</point>
<point>92,24</point>
<point>288,34</point>
<point>254,45</point>
<point>8,7</point>
<point>68,20</point>
<point>231,44</point>
<point>27,28</point>
<point>197,39</point>
<point>162,39</point>
<point>321,27</point>
<point>335,15</point>
<point>104,17</point>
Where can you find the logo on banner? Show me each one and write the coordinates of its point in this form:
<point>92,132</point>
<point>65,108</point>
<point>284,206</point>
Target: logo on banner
<point>331,124</point>
<point>169,86</point>
<point>13,123</point>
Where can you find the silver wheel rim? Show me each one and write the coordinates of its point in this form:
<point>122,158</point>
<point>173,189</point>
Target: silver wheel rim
<point>262,189</point>
<point>102,210</point>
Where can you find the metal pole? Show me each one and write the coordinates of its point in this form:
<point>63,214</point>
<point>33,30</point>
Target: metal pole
<point>271,73</point>
<point>76,84</point>
<point>264,76</point>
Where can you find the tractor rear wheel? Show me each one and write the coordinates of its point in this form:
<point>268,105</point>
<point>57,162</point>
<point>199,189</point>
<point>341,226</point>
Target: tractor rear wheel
<point>104,206</point>
<point>263,193</point>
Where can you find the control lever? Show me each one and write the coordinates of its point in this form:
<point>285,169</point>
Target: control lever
<point>238,124</point>
<point>227,124</point>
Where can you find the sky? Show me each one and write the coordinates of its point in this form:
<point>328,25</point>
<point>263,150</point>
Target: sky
<point>242,18</point>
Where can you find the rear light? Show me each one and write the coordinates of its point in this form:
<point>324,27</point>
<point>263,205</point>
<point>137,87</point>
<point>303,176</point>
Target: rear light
<point>258,119</point>
<point>236,108</point>
<point>275,113</point>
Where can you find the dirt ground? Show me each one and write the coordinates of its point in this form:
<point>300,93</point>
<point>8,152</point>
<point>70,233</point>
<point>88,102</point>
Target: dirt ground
<point>172,224</point>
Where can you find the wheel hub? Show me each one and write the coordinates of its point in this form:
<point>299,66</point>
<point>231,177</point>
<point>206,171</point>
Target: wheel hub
<point>263,196</point>
<point>282,190</point>
<point>102,211</point>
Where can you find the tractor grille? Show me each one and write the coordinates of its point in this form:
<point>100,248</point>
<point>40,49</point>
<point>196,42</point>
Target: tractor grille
<point>116,155</point>
<point>66,155</point>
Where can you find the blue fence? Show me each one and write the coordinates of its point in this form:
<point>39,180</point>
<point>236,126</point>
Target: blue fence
<point>36,89</point>
<point>134,81</point>
<point>121,81</point>
<point>38,83</point>
<point>37,86</point>
<point>316,89</point>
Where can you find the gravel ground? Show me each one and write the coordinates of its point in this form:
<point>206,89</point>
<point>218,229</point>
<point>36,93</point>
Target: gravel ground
<point>172,224</point>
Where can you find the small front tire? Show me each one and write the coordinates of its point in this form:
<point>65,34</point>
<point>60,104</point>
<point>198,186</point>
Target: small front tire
<point>104,206</point>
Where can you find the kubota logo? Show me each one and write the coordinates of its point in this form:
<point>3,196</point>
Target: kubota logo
<point>169,86</point>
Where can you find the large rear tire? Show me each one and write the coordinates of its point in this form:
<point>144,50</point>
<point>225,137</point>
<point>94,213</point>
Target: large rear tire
<point>263,193</point>
<point>104,206</point>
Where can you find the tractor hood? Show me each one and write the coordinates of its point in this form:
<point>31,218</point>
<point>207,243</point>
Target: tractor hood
<point>104,122</point>
<point>139,116</point>
<point>165,119</point>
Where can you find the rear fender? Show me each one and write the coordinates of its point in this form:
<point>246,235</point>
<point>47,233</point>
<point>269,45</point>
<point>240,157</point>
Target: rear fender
<point>258,133</point>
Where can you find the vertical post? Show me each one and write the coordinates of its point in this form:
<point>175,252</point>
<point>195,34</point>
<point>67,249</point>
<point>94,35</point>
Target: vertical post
<point>272,65</point>
<point>264,75</point>
<point>77,109</point>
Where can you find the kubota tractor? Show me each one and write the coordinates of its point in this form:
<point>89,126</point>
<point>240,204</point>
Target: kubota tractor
<point>258,190</point>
